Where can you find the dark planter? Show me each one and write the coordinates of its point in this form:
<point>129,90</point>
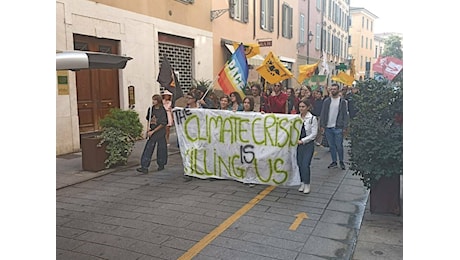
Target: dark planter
<point>385,196</point>
<point>93,156</point>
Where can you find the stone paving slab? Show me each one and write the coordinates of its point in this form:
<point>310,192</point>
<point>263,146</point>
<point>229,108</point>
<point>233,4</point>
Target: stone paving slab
<point>121,214</point>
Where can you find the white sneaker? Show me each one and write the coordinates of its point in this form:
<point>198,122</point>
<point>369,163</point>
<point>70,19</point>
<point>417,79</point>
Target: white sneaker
<point>306,190</point>
<point>302,186</point>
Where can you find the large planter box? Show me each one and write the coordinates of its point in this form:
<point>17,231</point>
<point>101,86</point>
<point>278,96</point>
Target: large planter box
<point>93,156</point>
<point>385,196</point>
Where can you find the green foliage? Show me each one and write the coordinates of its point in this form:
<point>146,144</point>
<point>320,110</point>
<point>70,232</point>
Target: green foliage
<point>376,133</point>
<point>120,130</point>
<point>393,47</point>
<point>201,83</point>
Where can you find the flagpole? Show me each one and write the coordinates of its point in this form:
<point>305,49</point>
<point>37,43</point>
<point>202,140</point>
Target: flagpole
<point>211,87</point>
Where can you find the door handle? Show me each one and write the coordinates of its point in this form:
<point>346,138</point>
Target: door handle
<point>109,104</point>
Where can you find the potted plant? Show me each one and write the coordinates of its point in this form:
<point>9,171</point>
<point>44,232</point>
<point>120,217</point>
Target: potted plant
<point>376,142</point>
<point>201,83</point>
<point>120,130</point>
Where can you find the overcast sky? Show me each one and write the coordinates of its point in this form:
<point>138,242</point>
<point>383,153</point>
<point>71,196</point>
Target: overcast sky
<point>389,13</point>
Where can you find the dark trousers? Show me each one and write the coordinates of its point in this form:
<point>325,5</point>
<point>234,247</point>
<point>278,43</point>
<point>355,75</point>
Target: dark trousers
<point>162,151</point>
<point>304,156</point>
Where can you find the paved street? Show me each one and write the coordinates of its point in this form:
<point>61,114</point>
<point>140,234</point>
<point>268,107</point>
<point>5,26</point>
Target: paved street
<point>123,214</point>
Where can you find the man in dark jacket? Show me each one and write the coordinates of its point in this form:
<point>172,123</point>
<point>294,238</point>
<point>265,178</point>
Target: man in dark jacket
<point>334,122</point>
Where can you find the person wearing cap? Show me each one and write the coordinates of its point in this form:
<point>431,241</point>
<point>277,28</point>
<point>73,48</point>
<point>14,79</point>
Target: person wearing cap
<point>167,103</point>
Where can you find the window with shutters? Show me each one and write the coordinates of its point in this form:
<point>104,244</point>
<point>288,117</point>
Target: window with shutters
<point>318,36</point>
<point>302,28</point>
<point>266,15</point>
<point>239,10</point>
<point>286,31</point>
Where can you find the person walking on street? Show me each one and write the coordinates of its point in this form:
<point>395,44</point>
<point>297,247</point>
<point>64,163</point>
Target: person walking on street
<point>156,134</point>
<point>306,144</point>
<point>334,123</point>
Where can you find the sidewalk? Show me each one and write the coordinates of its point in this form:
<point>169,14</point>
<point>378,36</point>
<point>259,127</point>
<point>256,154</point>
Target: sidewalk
<point>379,237</point>
<point>69,169</point>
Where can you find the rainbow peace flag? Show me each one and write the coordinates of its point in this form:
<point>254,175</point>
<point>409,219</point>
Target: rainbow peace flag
<point>234,75</point>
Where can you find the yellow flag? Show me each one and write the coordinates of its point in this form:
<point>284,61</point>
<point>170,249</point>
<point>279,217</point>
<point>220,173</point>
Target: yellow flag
<point>250,49</point>
<point>272,70</point>
<point>306,71</point>
<point>343,78</point>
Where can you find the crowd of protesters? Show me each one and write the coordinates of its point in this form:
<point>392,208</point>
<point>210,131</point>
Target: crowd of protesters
<point>325,112</point>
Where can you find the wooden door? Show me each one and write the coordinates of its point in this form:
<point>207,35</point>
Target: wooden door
<point>97,89</point>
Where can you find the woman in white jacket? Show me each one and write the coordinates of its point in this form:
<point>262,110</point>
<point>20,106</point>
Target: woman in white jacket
<point>306,144</point>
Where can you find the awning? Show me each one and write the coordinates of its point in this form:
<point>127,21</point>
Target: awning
<point>256,60</point>
<point>76,60</point>
<point>286,59</point>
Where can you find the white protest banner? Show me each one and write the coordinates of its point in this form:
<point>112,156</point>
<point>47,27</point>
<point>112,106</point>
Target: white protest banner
<point>249,147</point>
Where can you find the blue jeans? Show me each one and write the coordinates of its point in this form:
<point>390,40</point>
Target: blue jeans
<point>162,151</point>
<point>304,156</point>
<point>334,137</point>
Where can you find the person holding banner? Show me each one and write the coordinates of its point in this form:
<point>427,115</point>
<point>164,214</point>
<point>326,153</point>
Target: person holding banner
<point>236,101</point>
<point>203,100</point>
<point>224,103</point>
<point>306,145</point>
<point>248,106</point>
<point>157,120</point>
<point>192,98</point>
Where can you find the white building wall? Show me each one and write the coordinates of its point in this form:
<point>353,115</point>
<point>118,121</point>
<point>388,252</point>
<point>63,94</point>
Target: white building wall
<point>138,36</point>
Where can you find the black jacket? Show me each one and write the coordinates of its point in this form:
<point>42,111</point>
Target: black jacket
<point>342,116</point>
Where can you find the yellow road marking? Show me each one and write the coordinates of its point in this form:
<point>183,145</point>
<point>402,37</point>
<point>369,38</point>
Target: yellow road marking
<point>300,217</point>
<point>194,250</point>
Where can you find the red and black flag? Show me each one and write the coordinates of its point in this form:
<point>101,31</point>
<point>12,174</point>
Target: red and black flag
<point>168,80</point>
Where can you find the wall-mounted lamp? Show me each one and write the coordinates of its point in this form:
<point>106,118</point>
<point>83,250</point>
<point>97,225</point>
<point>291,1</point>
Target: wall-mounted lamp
<point>219,12</point>
<point>310,36</point>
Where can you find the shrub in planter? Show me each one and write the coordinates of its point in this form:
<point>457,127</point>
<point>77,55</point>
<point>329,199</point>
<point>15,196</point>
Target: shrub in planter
<point>120,130</point>
<point>376,137</point>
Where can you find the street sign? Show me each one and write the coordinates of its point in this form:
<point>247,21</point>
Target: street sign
<point>265,43</point>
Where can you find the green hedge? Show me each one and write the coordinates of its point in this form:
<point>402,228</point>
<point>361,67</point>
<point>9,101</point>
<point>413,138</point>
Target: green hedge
<point>376,133</point>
